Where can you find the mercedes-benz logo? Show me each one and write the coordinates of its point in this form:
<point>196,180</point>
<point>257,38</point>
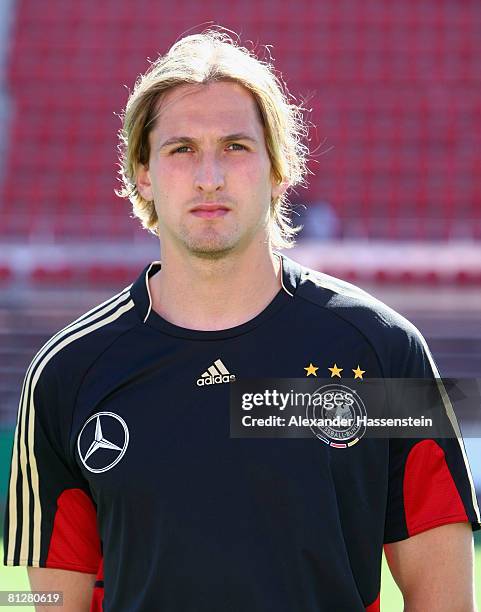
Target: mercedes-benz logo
<point>107,431</point>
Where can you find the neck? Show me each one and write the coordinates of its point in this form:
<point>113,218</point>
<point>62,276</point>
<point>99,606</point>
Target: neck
<point>209,295</point>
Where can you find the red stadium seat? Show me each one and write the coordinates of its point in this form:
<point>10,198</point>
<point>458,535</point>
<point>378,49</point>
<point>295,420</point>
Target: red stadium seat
<point>53,276</point>
<point>6,274</point>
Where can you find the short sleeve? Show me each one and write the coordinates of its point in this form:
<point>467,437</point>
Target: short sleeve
<point>430,482</point>
<point>50,518</point>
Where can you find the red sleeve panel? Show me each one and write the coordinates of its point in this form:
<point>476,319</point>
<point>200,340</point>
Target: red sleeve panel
<point>431,498</point>
<point>429,486</point>
<point>75,543</point>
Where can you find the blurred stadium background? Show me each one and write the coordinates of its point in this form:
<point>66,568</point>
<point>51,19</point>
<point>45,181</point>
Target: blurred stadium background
<point>394,204</point>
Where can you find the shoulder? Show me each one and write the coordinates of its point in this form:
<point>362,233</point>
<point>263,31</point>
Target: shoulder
<point>63,360</point>
<point>349,301</point>
<point>396,339</point>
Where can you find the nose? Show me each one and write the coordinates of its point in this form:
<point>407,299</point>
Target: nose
<point>209,177</point>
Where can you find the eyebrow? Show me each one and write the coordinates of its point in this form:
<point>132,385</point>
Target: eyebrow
<point>189,140</point>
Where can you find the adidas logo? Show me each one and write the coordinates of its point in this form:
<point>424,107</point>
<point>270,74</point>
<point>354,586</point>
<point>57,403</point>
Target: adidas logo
<point>217,373</point>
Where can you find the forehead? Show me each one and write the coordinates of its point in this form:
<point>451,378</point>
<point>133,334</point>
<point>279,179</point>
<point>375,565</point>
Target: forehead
<point>221,106</point>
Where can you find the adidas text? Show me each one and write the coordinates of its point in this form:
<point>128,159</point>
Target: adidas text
<point>213,380</point>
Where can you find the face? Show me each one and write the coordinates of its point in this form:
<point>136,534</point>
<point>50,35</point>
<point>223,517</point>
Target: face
<point>209,172</point>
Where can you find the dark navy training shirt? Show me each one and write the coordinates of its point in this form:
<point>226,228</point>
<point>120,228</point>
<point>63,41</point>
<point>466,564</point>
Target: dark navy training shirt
<point>123,464</point>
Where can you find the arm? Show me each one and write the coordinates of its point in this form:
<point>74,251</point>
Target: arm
<point>76,587</point>
<point>63,514</point>
<point>435,569</point>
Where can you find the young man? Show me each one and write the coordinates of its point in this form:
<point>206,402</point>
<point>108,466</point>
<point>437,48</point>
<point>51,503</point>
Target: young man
<point>127,491</point>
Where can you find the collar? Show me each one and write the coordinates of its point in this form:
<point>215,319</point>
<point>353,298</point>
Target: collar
<point>140,291</point>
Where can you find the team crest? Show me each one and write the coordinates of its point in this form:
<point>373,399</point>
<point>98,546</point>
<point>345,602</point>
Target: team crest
<point>341,414</point>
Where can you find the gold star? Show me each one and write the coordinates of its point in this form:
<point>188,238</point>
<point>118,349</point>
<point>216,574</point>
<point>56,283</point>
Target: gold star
<point>358,372</point>
<point>335,371</point>
<point>311,370</point>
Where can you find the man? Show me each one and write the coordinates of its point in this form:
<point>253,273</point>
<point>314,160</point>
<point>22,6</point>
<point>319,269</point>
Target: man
<point>127,491</point>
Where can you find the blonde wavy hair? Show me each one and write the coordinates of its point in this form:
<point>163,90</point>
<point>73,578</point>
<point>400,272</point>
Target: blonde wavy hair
<point>200,59</point>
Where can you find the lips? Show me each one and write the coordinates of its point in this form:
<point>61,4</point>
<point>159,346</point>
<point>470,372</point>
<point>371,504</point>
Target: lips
<point>210,210</point>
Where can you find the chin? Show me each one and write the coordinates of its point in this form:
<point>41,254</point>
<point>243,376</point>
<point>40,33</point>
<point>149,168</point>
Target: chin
<point>212,246</point>
<point>211,251</point>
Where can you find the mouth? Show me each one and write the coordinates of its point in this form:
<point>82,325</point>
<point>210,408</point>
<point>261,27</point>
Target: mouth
<point>210,210</point>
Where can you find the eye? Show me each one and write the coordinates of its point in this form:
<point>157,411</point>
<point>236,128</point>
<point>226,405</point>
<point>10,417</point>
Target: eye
<point>182,149</point>
<point>238,146</point>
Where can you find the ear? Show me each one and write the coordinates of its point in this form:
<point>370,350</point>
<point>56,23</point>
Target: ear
<point>278,189</point>
<point>143,182</point>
